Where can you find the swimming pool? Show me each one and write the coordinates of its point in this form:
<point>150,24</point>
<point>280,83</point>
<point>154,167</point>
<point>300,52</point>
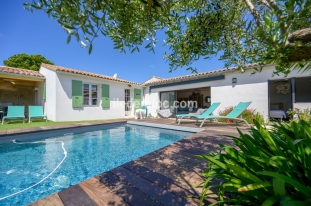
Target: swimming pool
<point>34,167</point>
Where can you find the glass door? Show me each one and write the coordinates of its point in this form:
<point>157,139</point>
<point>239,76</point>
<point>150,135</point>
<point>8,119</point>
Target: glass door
<point>167,100</point>
<point>127,101</point>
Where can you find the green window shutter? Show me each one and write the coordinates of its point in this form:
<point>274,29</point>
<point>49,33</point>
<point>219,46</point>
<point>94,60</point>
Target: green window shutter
<point>77,98</point>
<point>44,91</point>
<point>105,96</point>
<point>137,99</point>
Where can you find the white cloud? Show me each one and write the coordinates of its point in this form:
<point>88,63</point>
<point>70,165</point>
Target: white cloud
<point>151,65</point>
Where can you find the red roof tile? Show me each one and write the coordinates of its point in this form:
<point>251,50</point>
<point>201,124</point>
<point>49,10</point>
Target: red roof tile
<point>73,71</point>
<point>21,72</point>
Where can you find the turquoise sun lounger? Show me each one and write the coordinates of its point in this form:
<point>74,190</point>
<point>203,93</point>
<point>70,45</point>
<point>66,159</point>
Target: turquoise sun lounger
<point>36,112</point>
<point>232,115</point>
<point>15,112</point>
<point>206,113</point>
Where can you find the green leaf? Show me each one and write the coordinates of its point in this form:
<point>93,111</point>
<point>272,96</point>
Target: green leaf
<point>77,36</point>
<point>220,164</point>
<point>306,142</point>
<point>300,187</point>
<point>267,20</point>
<point>270,201</point>
<point>278,187</point>
<point>68,38</point>
<point>255,186</point>
<point>87,39</point>
<point>243,173</point>
<point>90,48</point>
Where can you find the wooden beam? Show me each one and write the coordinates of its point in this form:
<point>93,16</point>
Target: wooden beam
<point>25,78</point>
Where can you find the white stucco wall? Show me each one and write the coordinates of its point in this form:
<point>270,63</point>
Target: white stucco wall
<point>249,87</point>
<point>65,112</point>
<point>38,94</point>
<point>50,102</point>
<point>302,105</point>
<point>58,104</point>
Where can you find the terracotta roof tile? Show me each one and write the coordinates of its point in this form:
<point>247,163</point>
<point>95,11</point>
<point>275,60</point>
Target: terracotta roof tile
<point>197,75</point>
<point>73,71</point>
<point>22,72</point>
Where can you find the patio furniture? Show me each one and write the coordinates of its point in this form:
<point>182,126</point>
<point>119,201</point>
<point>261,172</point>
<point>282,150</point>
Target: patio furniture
<point>36,112</point>
<point>232,115</point>
<point>164,113</point>
<point>15,112</point>
<point>206,113</point>
<point>140,113</point>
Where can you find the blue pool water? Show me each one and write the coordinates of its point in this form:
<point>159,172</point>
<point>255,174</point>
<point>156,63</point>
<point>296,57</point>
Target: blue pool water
<point>31,169</point>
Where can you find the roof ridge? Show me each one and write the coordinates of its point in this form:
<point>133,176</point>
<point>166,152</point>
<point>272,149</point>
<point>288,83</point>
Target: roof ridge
<point>20,68</point>
<point>86,73</point>
<point>200,74</point>
<point>19,71</point>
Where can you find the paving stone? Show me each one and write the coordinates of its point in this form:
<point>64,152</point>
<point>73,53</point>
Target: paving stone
<point>74,196</point>
<point>101,194</point>
<point>10,131</point>
<point>51,200</point>
<point>173,158</point>
<point>161,195</point>
<point>126,191</point>
<point>173,172</point>
<point>162,181</point>
<point>3,132</point>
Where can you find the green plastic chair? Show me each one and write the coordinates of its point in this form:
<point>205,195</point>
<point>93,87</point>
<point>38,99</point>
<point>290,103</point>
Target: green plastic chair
<point>15,112</point>
<point>206,113</point>
<point>36,112</point>
<point>232,115</point>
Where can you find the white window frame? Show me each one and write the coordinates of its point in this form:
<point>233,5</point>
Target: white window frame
<point>90,95</point>
<point>129,96</point>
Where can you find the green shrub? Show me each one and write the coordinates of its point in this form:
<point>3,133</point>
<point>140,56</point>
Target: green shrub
<point>299,114</point>
<point>259,118</point>
<point>247,114</point>
<point>266,167</point>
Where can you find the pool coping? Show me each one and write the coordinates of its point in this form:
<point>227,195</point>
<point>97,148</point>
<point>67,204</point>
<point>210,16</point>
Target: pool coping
<point>55,127</point>
<point>35,132</point>
<point>163,126</point>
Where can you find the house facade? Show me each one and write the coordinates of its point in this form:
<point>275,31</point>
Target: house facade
<point>74,95</point>
<point>230,86</point>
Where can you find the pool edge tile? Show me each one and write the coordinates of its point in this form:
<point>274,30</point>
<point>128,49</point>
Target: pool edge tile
<point>51,200</point>
<point>74,196</point>
<point>100,193</point>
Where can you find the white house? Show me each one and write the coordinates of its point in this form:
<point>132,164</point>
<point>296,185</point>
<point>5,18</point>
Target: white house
<point>73,95</point>
<point>229,86</point>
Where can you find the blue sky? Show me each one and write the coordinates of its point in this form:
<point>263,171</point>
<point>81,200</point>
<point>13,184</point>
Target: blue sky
<point>34,33</point>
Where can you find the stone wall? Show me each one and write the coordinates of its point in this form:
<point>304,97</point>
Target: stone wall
<point>19,95</point>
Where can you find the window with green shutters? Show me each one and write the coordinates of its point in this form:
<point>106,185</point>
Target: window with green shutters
<point>105,96</point>
<point>77,98</point>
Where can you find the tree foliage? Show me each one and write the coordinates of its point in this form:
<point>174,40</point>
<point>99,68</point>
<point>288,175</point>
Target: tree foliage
<point>240,31</point>
<point>25,61</point>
